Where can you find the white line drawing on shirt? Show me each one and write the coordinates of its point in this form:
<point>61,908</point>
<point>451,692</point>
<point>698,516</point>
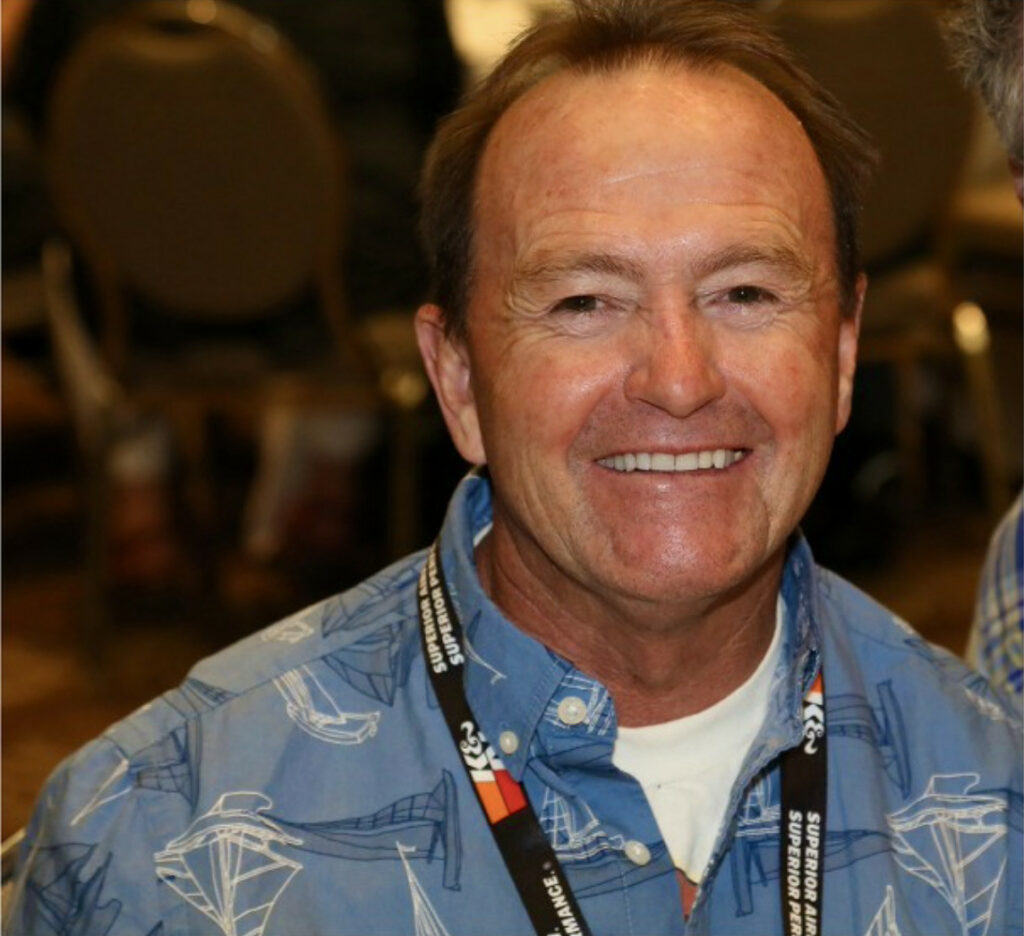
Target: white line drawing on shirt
<point>884,923</point>
<point>476,658</point>
<point>573,836</point>
<point>291,630</point>
<point>985,706</point>
<point>942,838</point>
<point>426,922</point>
<point>758,815</point>
<point>98,798</point>
<point>313,709</point>
<point>224,865</point>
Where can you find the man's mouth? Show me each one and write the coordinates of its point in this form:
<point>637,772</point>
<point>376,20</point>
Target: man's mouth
<point>666,461</point>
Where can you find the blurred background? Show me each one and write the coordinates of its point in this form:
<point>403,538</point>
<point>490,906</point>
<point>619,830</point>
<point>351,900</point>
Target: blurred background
<point>212,408</point>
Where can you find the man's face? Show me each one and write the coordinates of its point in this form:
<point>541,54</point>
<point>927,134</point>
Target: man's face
<point>654,287</point>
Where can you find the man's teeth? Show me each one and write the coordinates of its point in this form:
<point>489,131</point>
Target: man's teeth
<point>663,461</point>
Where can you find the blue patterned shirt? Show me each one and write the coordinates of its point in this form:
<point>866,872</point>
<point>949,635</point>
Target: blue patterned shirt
<point>997,638</point>
<point>304,782</point>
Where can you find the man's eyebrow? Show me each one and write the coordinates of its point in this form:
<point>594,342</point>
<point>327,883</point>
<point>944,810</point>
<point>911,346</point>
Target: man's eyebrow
<point>547,268</point>
<point>780,256</point>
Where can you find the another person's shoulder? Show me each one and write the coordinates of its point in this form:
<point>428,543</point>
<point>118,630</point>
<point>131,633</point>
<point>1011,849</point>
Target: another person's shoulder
<point>996,644</point>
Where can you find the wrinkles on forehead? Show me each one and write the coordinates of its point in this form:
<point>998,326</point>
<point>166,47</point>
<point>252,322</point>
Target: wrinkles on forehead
<point>551,274</point>
<point>546,265</point>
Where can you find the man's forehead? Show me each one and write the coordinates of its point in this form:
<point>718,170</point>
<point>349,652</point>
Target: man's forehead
<point>644,140</point>
<point>572,105</point>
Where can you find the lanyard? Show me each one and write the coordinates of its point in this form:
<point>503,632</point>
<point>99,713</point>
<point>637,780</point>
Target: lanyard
<point>528,855</point>
<point>532,863</point>
<point>802,820</point>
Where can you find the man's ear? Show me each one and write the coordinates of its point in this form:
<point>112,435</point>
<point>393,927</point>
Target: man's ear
<point>447,362</point>
<point>849,332</point>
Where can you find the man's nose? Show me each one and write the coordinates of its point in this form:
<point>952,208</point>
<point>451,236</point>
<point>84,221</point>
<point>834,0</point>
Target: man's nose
<point>677,364</point>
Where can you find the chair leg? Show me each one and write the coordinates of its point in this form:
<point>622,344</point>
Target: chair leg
<point>97,621</point>
<point>190,434</point>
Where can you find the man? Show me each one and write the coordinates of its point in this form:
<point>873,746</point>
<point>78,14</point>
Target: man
<point>644,337</point>
<point>987,37</point>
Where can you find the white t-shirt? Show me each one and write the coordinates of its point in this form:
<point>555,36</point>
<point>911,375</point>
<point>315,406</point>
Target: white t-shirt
<point>687,767</point>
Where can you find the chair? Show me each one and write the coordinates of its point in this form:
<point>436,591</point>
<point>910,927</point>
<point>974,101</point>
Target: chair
<point>196,172</point>
<point>886,61</point>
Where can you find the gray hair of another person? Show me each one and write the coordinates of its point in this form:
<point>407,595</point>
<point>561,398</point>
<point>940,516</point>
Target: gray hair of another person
<point>603,36</point>
<point>986,38</point>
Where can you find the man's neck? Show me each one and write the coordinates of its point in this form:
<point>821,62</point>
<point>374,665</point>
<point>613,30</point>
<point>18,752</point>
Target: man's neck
<point>660,661</point>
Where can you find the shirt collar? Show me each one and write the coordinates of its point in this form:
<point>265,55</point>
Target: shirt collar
<point>800,661</point>
<point>511,678</point>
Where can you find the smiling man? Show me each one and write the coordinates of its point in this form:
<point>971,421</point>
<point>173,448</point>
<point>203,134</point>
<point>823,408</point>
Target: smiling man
<point>643,230</point>
<point>653,370</point>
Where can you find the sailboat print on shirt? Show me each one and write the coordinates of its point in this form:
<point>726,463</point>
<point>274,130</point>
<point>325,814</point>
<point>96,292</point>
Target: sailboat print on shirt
<point>428,821</point>
<point>378,664</point>
<point>596,858</point>
<point>574,834</point>
<point>884,923</point>
<point>754,859</point>
<point>109,790</point>
<point>312,708</point>
<point>944,838</point>
<point>426,922</point>
<point>66,897</point>
<point>227,864</point>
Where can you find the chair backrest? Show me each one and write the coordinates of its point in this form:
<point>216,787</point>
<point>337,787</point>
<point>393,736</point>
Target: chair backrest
<point>887,62</point>
<point>194,163</point>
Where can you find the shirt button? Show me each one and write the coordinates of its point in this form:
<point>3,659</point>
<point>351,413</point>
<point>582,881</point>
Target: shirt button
<point>637,852</point>
<point>508,741</point>
<point>572,710</point>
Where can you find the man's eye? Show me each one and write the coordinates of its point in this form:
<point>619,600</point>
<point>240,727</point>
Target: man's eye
<point>578,304</point>
<point>746,295</point>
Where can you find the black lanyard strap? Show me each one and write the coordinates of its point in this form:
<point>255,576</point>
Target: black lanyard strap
<point>532,863</point>
<point>802,818</point>
<point>528,855</point>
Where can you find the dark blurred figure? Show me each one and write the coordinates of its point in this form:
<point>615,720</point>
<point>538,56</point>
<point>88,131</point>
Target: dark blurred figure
<point>388,70</point>
<point>25,214</point>
<point>987,40</point>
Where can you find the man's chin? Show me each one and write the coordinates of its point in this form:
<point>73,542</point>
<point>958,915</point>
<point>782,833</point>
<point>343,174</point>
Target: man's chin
<point>675,573</point>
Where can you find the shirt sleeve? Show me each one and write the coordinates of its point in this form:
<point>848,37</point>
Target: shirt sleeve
<point>86,863</point>
<point>996,646</point>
